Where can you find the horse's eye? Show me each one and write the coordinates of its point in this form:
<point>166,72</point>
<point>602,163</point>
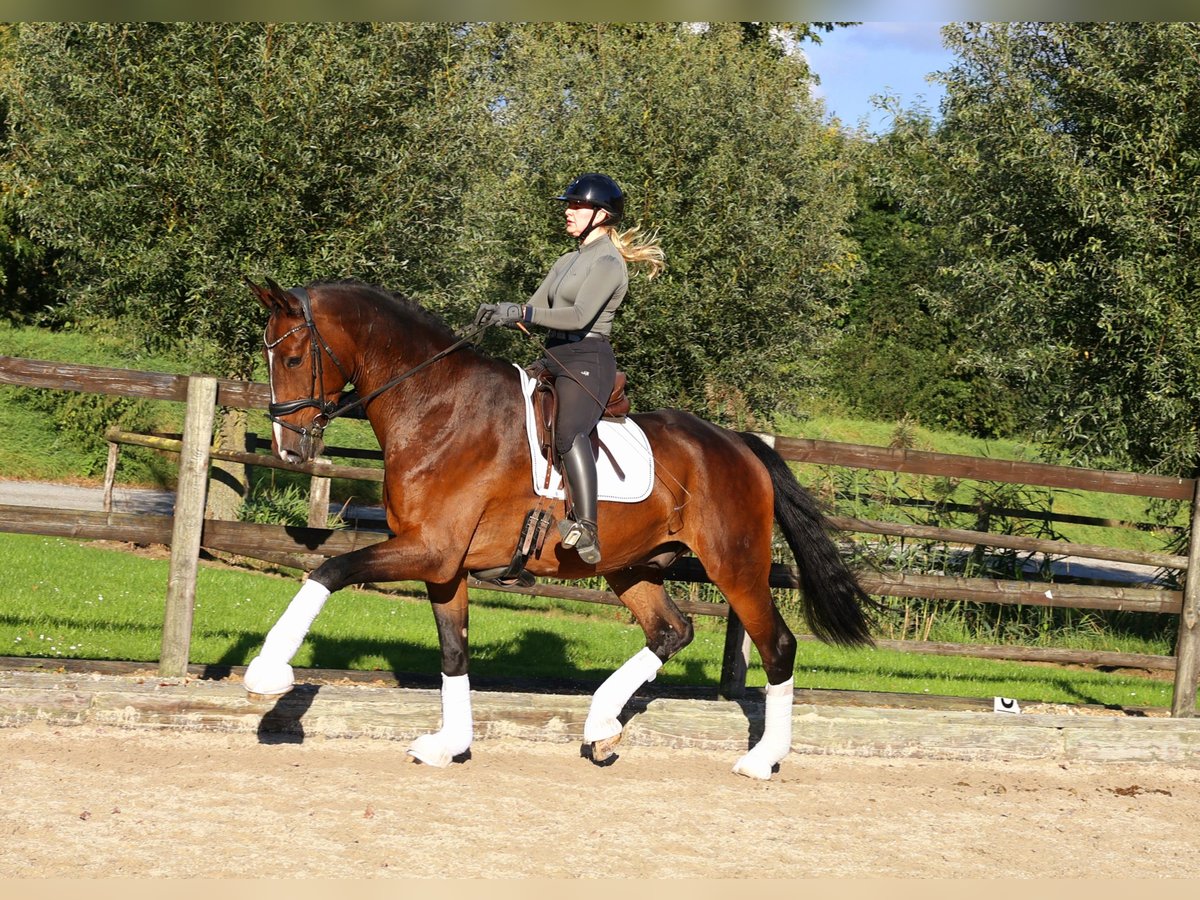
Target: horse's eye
<point>292,361</point>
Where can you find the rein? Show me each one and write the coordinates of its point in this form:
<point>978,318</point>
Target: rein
<point>328,410</point>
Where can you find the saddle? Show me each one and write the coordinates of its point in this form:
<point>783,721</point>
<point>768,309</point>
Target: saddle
<point>545,405</point>
<point>539,520</point>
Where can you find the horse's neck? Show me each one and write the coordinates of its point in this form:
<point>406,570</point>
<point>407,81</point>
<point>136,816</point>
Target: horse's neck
<point>463,387</point>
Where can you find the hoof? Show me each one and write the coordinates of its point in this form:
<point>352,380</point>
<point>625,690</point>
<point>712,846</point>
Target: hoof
<point>267,681</point>
<point>597,730</point>
<point>431,750</point>
<point>754,767</point>
<point>602,750</point>
<point>601,757</point>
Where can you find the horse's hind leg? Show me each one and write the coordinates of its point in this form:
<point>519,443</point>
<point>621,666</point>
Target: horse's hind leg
<point>667,632</point>
<point>749,595</point>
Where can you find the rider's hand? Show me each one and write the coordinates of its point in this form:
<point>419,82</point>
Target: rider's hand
<point>500,314</point>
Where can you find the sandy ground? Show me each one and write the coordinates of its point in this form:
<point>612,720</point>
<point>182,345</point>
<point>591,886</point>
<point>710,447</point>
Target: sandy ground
<point>93,801</point>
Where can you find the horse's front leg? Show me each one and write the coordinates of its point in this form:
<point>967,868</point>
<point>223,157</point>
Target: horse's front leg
<point>453,739</point>
<point>270,673</point>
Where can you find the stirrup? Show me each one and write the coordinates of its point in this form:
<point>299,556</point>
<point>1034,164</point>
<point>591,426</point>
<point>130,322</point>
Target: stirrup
<point>581,537</point>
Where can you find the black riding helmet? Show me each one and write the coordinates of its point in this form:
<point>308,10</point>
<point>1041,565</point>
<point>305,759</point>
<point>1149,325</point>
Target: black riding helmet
<point>597,190</point>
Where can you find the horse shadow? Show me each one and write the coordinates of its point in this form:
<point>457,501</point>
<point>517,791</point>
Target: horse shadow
<point>284,722</point>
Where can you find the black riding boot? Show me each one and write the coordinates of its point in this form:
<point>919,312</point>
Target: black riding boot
<point>579,468</point>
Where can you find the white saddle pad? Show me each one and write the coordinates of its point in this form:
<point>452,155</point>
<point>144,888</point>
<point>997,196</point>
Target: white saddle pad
<point>624,469</point>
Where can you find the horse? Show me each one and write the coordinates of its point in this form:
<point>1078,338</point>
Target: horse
<point>450,421</point>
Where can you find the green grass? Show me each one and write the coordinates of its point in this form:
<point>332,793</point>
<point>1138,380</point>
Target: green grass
<point>71,599</point>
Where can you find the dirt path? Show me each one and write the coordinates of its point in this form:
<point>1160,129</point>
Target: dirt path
<point>98,801</point>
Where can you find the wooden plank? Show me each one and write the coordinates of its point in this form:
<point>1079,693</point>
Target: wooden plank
<point>1026,593</point>
<point>61,376</point>
<point>1055,655</point>
<point>315,468</point>
<point>188,524</point>
<point>980,590</point>
<point>86,524</point>
<point>250,539</point>
<point>92,379</point>
<point>1010,542</point>
<point>922,462</point>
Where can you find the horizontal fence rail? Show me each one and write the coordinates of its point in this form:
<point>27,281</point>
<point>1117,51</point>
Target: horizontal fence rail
<point>306,548</point>
<point>924,462</point>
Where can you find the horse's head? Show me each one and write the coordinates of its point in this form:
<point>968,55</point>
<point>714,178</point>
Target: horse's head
<point>306,376</point>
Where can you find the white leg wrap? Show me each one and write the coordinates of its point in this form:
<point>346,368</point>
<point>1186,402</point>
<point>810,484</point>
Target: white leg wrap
<point>610,698</point>
<point>457,725</point>
<point>269,672</point>
<point>776,741</point>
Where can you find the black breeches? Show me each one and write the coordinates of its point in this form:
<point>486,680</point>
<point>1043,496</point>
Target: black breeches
<point>585,373</point>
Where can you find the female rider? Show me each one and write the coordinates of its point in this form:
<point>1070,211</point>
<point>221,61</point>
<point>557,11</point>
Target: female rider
<point>577,301</point>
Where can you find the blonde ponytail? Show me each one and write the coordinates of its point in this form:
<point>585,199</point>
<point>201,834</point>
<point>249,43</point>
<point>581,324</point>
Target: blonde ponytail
<point>638,250</point>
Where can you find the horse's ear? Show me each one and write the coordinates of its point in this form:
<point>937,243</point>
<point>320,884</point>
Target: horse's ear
<point>286,301</point>
<point>263,295</point>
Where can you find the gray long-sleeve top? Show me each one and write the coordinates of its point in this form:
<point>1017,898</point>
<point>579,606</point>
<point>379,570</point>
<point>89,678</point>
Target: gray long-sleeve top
<point>582,290</point>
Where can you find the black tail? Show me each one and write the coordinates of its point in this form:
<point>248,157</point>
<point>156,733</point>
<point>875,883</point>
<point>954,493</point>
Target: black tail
<point>834,604</point>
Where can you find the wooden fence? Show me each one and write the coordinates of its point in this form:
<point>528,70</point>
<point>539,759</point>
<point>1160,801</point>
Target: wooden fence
<point>187,531</point>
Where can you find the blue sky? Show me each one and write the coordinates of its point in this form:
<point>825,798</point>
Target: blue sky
<point>874,58</point>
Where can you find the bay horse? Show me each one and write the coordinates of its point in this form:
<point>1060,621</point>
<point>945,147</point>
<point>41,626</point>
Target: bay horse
<point>451,424</point>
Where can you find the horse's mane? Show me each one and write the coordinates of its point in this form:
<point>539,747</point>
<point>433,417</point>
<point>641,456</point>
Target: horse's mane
<point>406,306</point>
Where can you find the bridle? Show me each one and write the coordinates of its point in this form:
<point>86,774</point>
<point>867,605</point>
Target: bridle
<point>328,410</point>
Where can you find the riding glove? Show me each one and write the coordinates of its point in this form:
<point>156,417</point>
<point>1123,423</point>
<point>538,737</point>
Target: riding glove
<point>500,314</point>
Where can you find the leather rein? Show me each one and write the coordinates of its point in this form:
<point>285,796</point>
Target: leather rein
<point>328,410</point>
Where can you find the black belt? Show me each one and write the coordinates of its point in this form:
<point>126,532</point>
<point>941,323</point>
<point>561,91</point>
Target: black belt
<point>572,336</point>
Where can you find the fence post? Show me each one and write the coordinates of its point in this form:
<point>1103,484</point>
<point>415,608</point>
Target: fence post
<point>318,495</point>
<point>110,474</point>
<point>1187,646</point>
<point>190,498</point>
<point>736,659</point>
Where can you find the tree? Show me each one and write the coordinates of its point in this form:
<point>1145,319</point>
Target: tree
<point>26,266</point>
<point>1069,156</point>
<point>167,161</point>
<point>896,357</point>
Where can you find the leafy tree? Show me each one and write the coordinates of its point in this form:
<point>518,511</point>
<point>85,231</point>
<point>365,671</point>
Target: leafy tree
<point>169,160</point>
<point>897,358</point>
<point>1069,156</point>
<point>26,266</point>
